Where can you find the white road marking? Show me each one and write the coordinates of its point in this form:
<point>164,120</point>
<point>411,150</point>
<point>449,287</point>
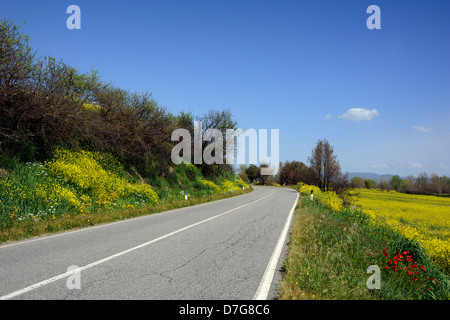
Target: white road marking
<point>266,281</point>
<point>96,263</point>
<point>65,233</point>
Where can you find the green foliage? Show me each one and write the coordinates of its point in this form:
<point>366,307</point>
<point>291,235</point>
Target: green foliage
<point>16,56</point>
<point>293,172</point>
<point>73,183</point>
<point>192,171</point>
<point>396,182</point>
<point>253,173</point>
<point>29,192</point>
<point>109,144</point>
<point>82,182</point>
<point>357,182</point>
<point>104,187</point>
<point>47,104</point>
<point>330,252</point>
<point>369,183</point>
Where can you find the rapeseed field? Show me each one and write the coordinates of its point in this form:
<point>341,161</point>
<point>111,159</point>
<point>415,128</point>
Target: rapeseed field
<point>423,218</point>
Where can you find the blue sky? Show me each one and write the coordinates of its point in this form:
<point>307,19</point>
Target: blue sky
<point>311,69</point>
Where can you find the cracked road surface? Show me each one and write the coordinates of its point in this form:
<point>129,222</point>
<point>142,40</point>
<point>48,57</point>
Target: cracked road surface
<point>218,250</point>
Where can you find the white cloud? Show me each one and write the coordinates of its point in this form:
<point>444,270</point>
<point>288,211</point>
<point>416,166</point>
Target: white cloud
<point>381,165</point>
<point>422,129</point>
<point>328,117</point>
<point>443,166</point>
<point>359,114</point>
<point>414,165</point>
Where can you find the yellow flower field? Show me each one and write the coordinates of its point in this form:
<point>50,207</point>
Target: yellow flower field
<point>327,198</point>
<point>425,219</point>
<point>82,170</point>
<point>209,184</point>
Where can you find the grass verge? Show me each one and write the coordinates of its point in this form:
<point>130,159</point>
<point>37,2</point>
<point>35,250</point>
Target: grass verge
<point>329,254</point>
<point>26,229</point>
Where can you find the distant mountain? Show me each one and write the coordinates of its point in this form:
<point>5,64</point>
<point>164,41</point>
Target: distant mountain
<point>368,175</point>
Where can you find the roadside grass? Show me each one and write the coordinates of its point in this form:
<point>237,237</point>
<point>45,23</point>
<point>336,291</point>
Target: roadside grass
<point>25,229</point>
<point>329,254</point>
<point>77,189</point>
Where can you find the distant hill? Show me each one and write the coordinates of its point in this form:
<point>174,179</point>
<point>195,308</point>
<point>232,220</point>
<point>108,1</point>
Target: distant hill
<point>368,175</point>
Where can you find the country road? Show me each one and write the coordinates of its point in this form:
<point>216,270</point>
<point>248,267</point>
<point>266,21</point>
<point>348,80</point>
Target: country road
<point>227,249</point>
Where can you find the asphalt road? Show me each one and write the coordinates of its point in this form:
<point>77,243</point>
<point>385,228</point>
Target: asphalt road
<point>227,249</point>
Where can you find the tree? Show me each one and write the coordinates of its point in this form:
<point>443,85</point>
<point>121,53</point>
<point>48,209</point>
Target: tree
<point>436,184</point>
<point>253,173</point>
<point>291,173</point>
<point>241,171</point>
<point>423,183</point>
<point>341,186</point>
<point>445,181</point>
<point>396,182</point>
<point>16,57</point>
<point>324,165</point>
<point>408,184</point>
<point>357,182</point>
<point>383,184</point>
<point>220,120</point>
<point>370,183</point>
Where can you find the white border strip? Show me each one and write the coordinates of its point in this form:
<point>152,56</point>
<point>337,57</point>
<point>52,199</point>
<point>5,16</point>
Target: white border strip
<point>266,281</point>
<point>96,263</point>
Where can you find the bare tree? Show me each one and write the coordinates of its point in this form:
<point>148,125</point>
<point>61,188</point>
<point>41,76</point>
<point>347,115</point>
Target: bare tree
<point>324,165</point>
<point>423,183</point>
<point>436,184</point>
